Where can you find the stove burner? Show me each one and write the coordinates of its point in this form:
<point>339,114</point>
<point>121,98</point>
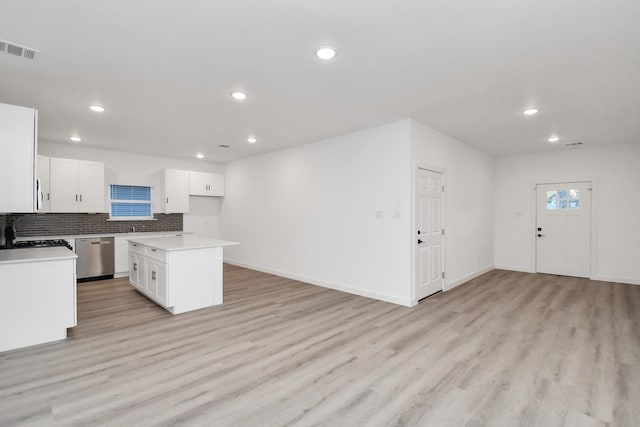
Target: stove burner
<point>42,243</point>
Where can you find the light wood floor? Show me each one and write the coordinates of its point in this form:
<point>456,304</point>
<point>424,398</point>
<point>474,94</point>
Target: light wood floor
<point>506,349</point>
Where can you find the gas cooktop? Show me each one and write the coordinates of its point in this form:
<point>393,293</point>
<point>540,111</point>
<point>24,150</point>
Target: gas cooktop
<point>40,244</point>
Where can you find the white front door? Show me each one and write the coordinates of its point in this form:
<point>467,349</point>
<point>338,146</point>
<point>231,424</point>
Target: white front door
<point>563,234</point>
<point>429,233</point>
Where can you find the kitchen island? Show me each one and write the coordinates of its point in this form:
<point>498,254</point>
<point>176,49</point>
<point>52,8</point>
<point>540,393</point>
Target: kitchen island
<point>38,301</point>
<point>180,273</point>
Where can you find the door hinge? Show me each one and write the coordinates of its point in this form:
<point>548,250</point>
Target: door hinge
<point>443,274</point>
<point>443,231</point>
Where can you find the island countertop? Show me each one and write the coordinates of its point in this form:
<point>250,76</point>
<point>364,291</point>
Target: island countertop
<point>11,256</point>
<point>180,243</point>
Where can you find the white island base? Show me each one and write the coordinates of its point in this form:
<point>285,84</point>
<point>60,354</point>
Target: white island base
<point>180,273</point>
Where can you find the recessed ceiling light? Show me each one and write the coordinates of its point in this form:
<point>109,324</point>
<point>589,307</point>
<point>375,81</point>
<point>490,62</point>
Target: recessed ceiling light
<point>553,139</point>
<point>530,111</point>
<point>239,96</point>
<point>96,108</point>
<point>200,156</point>
<point>75,138</point>
<point>326,52</point>
<point>251,140</point>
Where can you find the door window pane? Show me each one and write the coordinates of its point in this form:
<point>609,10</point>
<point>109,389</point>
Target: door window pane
<point>552,198</point>
<point>563,199</point>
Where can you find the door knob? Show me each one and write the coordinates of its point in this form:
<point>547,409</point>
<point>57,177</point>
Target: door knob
<point>418,231</point>
<point>419,241</point>
<point>540,235</point>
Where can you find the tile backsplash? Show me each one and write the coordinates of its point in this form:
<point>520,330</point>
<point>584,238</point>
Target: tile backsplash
<point>59,224</point>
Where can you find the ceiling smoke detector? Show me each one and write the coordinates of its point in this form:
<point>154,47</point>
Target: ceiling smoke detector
<point>17,50</point>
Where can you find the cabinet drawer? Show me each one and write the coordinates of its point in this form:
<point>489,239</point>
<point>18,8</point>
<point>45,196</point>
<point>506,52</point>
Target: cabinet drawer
<point>137,248</point>
<point>156,254</point>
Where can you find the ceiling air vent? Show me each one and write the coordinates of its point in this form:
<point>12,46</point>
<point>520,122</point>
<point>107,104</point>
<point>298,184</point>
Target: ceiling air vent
<point>16,49</point>
<point>573,144</point>
<point>224,146</point>
<point>29,53</point>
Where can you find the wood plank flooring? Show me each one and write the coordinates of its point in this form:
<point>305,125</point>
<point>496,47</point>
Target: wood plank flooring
<point>506,349</point>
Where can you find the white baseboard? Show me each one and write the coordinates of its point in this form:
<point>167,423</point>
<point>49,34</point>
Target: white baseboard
<point>616,280</point>
<point>510,268</point>
<point>458,282</point>
<point>119,275</point>
<point>335,286</point>
<point>599,278</point>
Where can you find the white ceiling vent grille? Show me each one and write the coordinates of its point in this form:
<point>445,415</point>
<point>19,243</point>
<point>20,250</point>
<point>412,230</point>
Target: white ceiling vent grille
<point>16,49</point>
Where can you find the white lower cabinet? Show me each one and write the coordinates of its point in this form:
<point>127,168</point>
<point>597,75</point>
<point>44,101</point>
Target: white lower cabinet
<point>136,270</point>
<point>148,275</point>
<point>121,256</point>
<point>180,273</point>
<point>156,278</point>
<point>38,296</point>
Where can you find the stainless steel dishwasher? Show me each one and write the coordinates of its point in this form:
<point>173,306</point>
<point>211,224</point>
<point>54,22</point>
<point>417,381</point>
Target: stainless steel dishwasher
<point>95,258</point>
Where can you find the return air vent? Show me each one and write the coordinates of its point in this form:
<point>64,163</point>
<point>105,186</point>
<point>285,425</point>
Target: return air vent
<point>17,50</point>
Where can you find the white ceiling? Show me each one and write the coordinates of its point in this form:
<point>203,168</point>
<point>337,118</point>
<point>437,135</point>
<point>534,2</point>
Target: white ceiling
<point>164,71</point>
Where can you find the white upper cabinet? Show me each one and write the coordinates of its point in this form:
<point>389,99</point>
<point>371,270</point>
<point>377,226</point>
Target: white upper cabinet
<point>91,186</point>
<point>206,184</point>
<point>176,191</point>
<point>44,192</point>
<point>18,144</point>
<point>76,186</point>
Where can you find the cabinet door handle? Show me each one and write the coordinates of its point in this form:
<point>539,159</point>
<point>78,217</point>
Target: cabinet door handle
<point>76,197</point>
<point>135,266</point>
<point>153,275</point>
<point>153,250</point>
<point>81,197</point>
<point>167,200</point>
<point>48,195</point>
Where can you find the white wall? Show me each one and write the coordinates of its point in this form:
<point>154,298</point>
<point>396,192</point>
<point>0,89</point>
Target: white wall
<point>468,201</point>
<point>309,212</point>
<point>136,169</point>
<point>615,170</point>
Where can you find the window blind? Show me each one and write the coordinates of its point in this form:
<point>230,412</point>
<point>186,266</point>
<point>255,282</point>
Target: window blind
<point>130,201</point>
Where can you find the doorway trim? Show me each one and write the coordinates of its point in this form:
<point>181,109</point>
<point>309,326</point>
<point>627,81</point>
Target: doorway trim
<point>414,231</point>
<point>593,268</point>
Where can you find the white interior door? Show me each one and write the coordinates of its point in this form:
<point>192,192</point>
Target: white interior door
<point>563,236</point>
<point>429,233</point>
